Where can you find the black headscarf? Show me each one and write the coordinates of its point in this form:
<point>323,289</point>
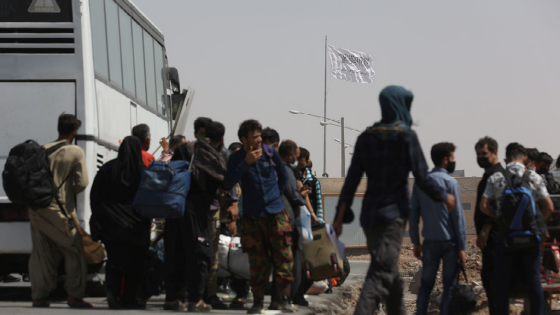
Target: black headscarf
<point>127,168</point>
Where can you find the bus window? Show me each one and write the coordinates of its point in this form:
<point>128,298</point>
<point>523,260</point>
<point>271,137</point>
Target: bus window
<point>160,72</point>
<point>126,48</point>
<point>100,62</point>
<point>139,62</point>
<point>150,70</point>
<point>113,42</point>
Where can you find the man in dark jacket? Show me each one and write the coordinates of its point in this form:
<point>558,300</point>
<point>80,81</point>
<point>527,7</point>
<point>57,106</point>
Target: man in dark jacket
<point>486,228</point>
<point>188,251</point>
<point>265,226</point>
<point>289,153</point>
<point>386,152</point>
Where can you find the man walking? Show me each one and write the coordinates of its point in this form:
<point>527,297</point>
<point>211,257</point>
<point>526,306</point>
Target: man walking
<point>443,231</point>
<point>387,152</point>
<point>511,261</point>
<point>486,227</point>
<point>53,234</point>
<point>265,228</point>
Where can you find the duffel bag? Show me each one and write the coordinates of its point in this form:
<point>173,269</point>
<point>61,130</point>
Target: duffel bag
<point>163,190</point>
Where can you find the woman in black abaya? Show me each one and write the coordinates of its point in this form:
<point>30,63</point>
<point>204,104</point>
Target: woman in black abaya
<point>125,234</point>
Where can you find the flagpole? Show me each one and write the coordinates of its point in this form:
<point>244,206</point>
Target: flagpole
<point>325,118</point>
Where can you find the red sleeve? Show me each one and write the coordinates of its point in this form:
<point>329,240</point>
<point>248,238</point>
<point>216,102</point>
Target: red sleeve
<point>147,158</point>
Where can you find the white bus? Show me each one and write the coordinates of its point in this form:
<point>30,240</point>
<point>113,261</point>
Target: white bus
<point>102,60</point>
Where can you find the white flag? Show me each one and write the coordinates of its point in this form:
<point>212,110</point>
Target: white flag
<point>350,65</point>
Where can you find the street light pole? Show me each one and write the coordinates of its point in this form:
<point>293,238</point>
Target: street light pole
<point>343,147</point>
<point>325,118</point>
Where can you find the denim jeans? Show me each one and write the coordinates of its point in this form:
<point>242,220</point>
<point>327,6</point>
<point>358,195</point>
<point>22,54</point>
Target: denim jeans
<point>525,262</point>
<point>432,253</point>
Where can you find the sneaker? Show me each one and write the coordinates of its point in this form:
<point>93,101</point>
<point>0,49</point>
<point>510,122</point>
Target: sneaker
<point>257,308</point>
<point>9,278</point>
<point>301,302</point>
<point>286,306</point>
<point>216,303</point>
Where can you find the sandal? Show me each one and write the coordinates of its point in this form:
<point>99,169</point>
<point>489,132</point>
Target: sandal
<point>200,307</point>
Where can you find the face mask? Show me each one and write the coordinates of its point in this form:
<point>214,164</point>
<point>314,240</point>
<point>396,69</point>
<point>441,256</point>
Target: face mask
<point>201,137</point>
<point>543,170</point>
<point>483,162</point>
<point>450,167</point>
<point>294,165</point>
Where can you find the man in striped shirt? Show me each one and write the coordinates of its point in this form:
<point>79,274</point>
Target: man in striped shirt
<point>311,181</point>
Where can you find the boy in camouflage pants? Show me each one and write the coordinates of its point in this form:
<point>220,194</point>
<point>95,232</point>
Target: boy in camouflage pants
<point>265,226</point>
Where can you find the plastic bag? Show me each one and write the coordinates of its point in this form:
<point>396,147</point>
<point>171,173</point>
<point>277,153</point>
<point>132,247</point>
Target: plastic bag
<point>318,287</point>
<point>338,245</point>
<point>307,232</point>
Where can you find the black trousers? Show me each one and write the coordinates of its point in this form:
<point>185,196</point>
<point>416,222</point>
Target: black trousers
<point>383,281</point>
<point>487,274</point>
<point>125,269</point>
<point>188,252</point>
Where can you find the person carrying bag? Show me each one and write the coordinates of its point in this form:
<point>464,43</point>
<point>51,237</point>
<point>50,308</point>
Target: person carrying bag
<point>463,299</point>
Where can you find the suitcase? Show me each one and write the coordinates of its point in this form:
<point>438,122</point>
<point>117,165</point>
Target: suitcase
<point>320,259</point>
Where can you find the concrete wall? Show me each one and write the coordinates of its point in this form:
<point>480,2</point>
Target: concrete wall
<point>352,233</point>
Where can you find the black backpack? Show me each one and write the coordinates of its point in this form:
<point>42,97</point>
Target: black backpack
<point>518,219</point>
<point>27,178</point>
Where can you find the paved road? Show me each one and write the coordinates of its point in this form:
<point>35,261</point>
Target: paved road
<point>14,299</point>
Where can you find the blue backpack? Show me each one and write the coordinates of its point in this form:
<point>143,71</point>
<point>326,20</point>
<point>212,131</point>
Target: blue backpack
<point>518,216</point>
<point>163,190</point>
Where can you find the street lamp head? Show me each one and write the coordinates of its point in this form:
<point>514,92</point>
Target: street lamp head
<point>323,123</point>
<point>295,112</point>
<point>337,140</point>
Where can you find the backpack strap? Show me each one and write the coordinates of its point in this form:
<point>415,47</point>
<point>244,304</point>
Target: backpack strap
<point>508,177</point>
<point>54,148</point>
<point>526,179</point>
<point>48,152</point>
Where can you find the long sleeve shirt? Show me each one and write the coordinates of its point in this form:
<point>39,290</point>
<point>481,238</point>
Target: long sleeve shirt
<point>231,194</point>
<point>439,223</point>
<point>262,182</point>
<point>316,198</point>
<point>292,192</point>
<point>68,165</point>
<point>387,164</point>
<point>480,219</point>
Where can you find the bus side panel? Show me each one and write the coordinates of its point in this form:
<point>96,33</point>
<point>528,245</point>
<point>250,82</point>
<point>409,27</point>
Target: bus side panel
<point>113,109</point>
<point>115,112</point>
<point>30,110</point>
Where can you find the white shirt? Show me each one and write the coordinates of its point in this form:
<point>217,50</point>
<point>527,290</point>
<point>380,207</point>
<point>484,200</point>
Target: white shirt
<point>497,184</point>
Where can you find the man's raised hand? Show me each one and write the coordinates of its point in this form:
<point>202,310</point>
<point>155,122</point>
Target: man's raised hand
<point>253,156</point>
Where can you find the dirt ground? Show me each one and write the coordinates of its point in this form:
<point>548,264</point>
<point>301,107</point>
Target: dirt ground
<point>409,268</point>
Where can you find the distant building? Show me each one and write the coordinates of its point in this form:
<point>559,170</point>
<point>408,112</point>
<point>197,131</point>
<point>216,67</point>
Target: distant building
<point>458,173</point>
<point>353,235</point>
